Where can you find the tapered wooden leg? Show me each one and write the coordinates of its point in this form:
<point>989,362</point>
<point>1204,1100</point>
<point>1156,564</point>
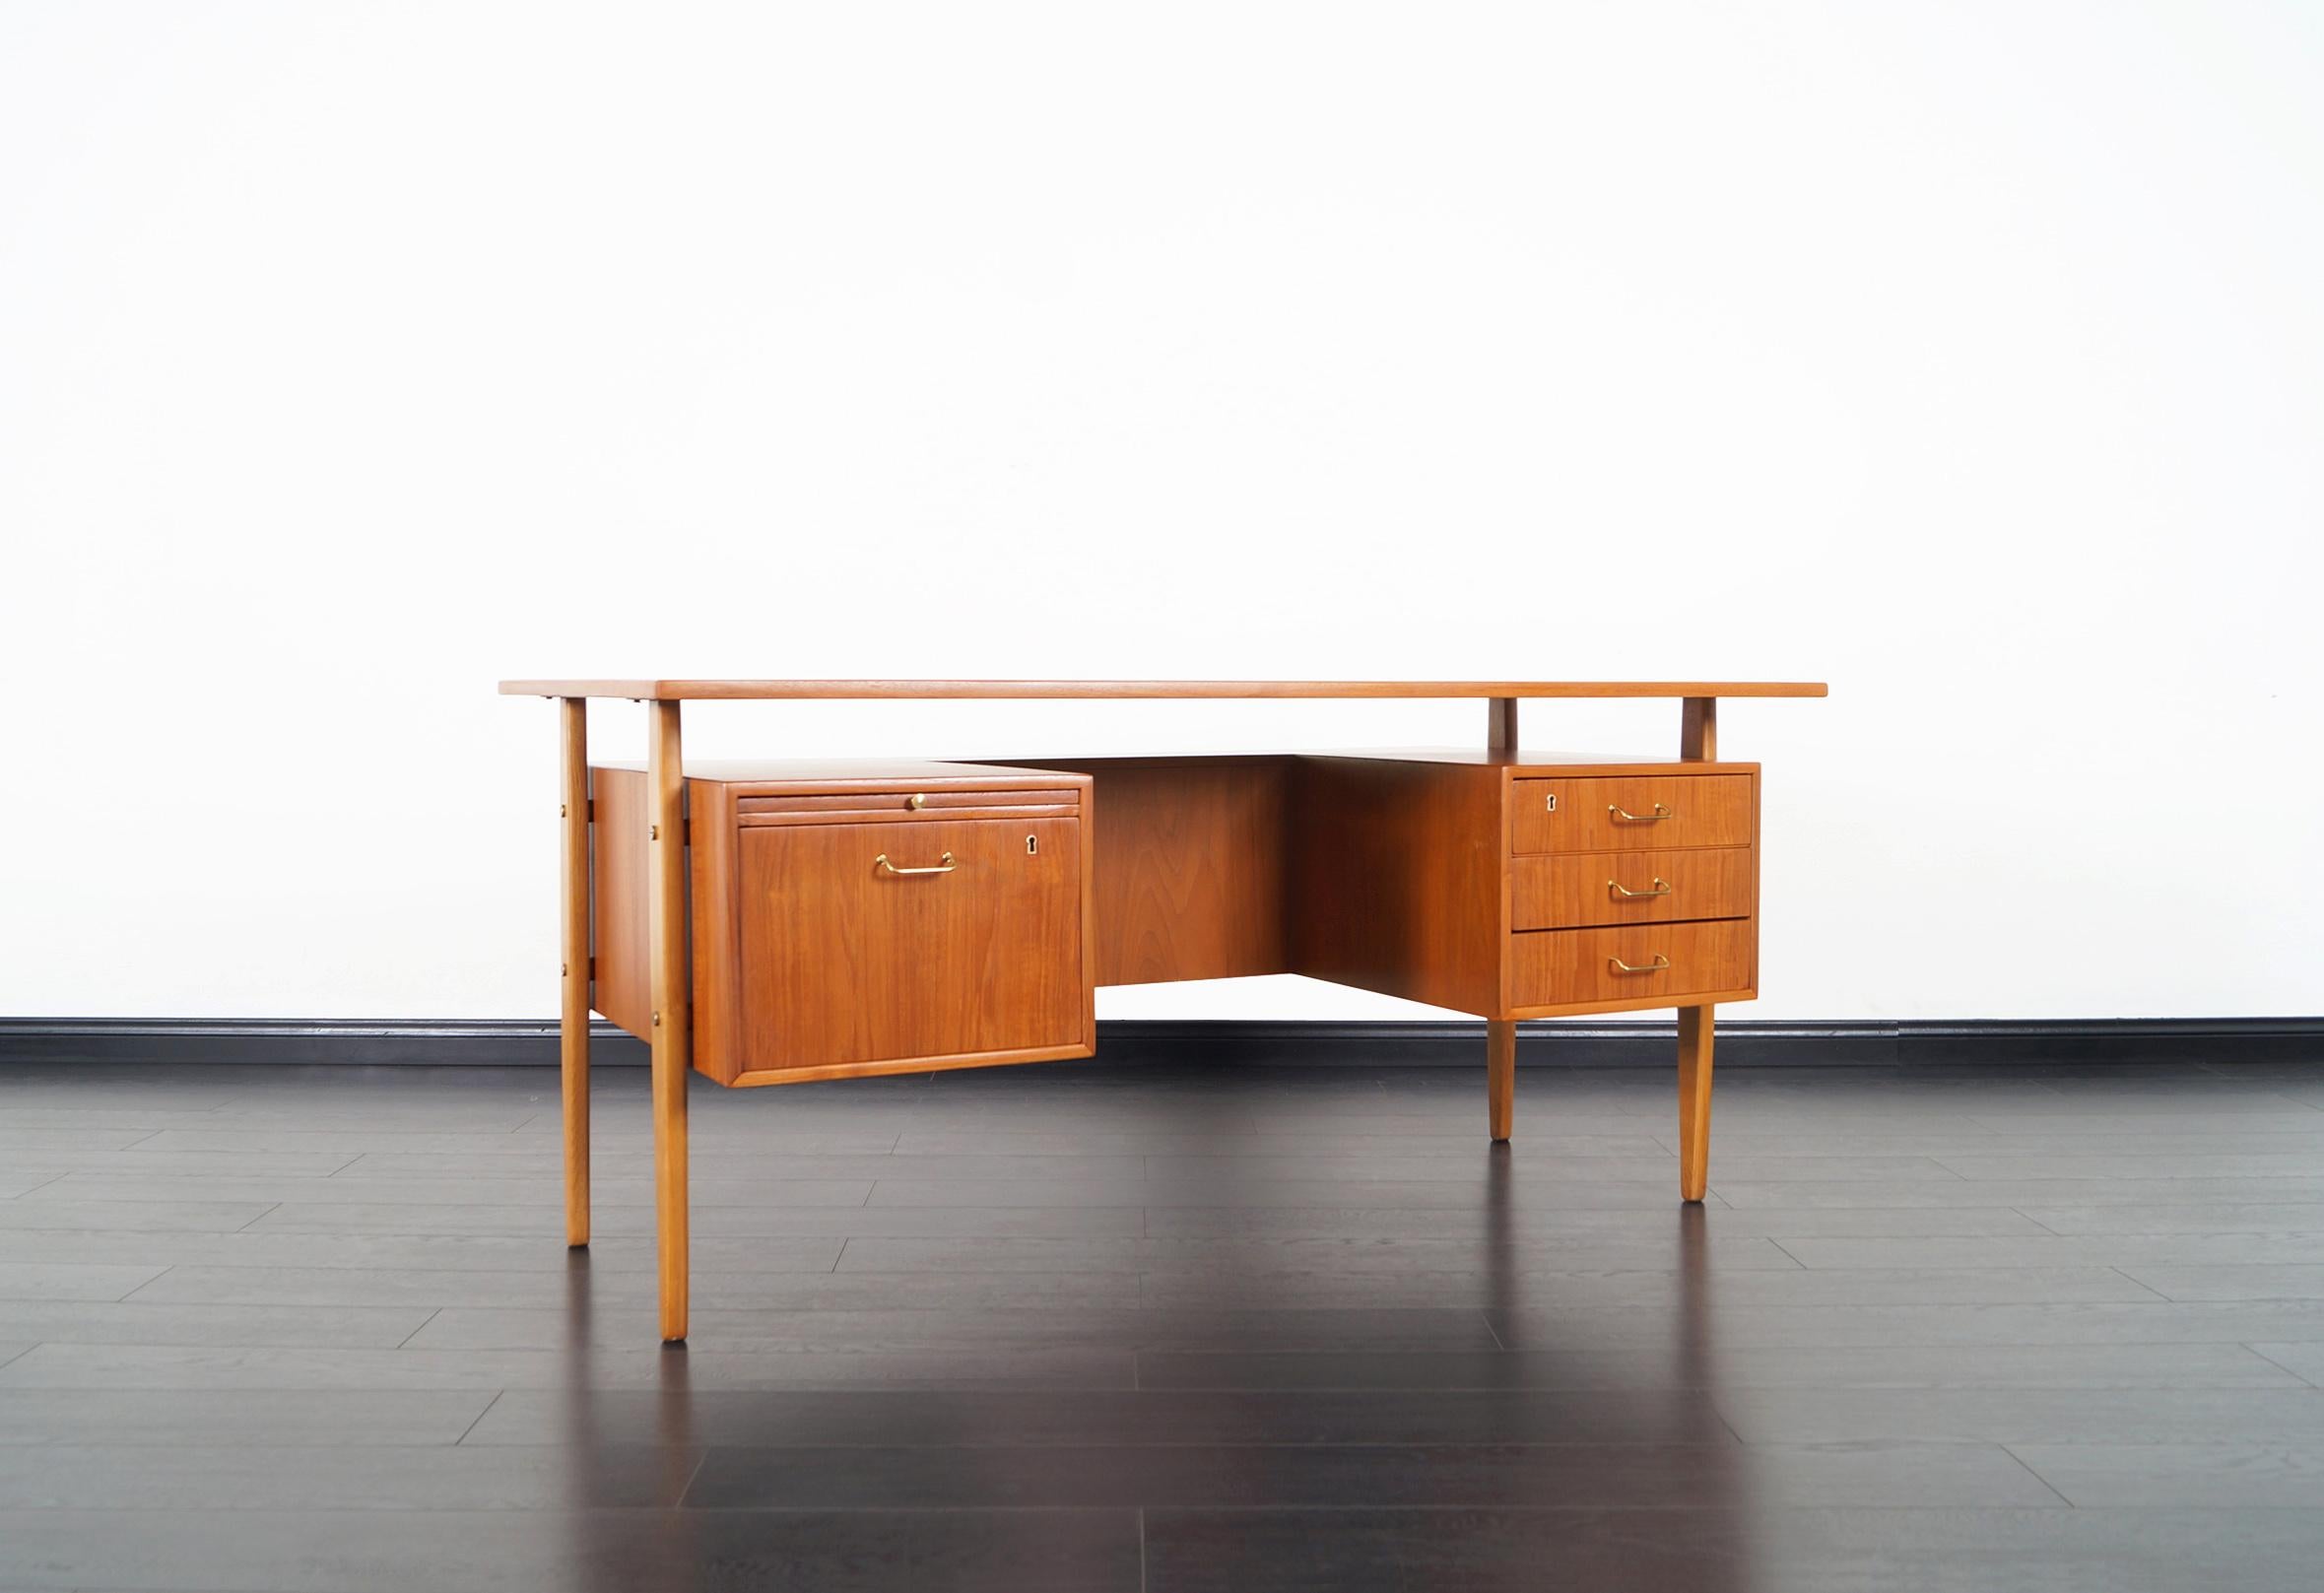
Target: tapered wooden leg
<point>1694,1027</point>
<point>1500,1076</point>
<point>572,1022</point>
<point>665,914</point>
<point>1500,1038</point>
<point>1699,741</point>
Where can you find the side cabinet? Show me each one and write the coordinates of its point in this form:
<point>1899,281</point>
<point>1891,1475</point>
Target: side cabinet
<point>1514,890</point>
<point>934,916</point>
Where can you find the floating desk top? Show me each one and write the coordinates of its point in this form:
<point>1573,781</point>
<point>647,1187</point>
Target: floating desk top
<point>858,691</point>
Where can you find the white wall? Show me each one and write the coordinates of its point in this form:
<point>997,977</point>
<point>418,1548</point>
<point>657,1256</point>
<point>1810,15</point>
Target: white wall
<point>1967,356</point>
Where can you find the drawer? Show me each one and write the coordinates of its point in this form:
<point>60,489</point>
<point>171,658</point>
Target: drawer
<point>1574,889</point>
<point>1563,967</point>
<point>845,959</point>
<point>1631,813</point>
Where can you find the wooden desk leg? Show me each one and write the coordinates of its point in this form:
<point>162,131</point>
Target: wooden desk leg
<point>1699,741</point>
<point>572,1021</point>
<point>672,992</point>
<point>1500,1038</point>
<point>1500,1076</point>
<point>1694,1027</point>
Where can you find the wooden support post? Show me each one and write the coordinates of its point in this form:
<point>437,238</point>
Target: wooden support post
<point>1501,724</point>
<point>1699,741</point>
<point>1500,1034</point>
<point>572,1020</point>
<point>1698,729</point>
<point>672,995</point>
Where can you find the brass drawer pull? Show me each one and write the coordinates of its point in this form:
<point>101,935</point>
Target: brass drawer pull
<point>1622,817</point>
<point>881,865</point>
<point>1619,892</point>
<point>1659,963</point>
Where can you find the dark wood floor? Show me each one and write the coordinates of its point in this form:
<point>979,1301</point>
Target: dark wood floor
<point>1100,1328</point>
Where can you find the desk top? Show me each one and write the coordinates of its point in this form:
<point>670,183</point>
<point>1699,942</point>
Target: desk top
<point>687,690</point>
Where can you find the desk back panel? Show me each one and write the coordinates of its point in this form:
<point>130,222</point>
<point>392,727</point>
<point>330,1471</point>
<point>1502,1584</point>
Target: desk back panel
<point>1191,866</point>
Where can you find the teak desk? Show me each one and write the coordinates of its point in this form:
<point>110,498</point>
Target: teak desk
<point>775,923</point>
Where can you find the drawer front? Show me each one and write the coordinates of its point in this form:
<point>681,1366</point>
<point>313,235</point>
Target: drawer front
<point>1572,890</point>
<point>1621,813</point>
<point>846,960</point>
<point>1558,966</point>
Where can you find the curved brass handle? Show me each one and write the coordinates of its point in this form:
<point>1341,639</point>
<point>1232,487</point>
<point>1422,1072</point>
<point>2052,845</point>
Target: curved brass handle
<point>1659,963</point>
<point>1619,892</point>
<point>1659,813</point>
<point>880,864</point>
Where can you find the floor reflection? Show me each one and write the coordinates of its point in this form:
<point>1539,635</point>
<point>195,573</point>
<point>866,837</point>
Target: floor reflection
<point>1397,1343</point>
<point>1718,1483</point>
<point>1191,1329</point>
<point>677,1561</point>
<point>624,1549</point>
<point>1694,1373</point>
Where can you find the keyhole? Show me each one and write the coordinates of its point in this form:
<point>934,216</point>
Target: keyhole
<point>1032,845</point>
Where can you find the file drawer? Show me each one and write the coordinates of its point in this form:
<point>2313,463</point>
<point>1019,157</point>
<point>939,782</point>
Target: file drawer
<point>883,943</point>
<point>888,919</point>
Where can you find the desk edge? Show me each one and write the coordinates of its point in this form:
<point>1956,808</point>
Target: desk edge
<point>1117,691</point>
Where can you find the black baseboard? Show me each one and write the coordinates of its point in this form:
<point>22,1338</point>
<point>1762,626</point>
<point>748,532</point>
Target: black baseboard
<point>1583,1042</point>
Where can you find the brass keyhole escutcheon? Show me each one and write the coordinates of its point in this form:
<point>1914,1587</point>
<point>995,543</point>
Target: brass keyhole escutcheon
<point>1032,845</point>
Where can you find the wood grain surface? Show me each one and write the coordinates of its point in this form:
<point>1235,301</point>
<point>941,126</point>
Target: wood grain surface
<point>1579,815</point>
<point>1555,966</point>
<point>1578,889</point>
<point>842,962</point>
<point>1191,860</point>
